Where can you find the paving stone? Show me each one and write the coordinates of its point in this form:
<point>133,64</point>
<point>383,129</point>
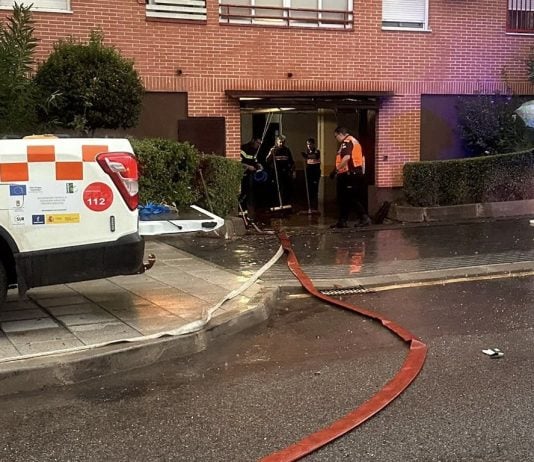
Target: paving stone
<point>153,295</point>
<point>124,301</point>
<point>70,320</point>
<point>139,312</point>
<point>99,284</point>
<point>22,304</point>
<point>158,324</point>
<point>49,346</point>
<point>7,350</point>
<point>60,290</point>
<point>32,324</point>
<point>62,300</point>
<point>106,332</point>
<point>42,335</point>
<point>194,314</point>
<point>82,308</point>
<point>220,278</point>
<point>184,305</point>
<point>20,315</point>
<point>104,295</point>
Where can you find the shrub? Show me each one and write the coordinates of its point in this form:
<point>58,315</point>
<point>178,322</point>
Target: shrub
<point>171,172</point>
<point>488,124</point>
<point>495,178</point>
<point>88,86</point>
<point>17,92</point>
<point>220,181</point>
<point>167,171</point>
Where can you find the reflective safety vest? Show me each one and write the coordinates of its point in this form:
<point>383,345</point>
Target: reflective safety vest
<point>349,147</point>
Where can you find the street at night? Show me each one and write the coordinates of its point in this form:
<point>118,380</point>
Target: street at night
<point>263,389</point>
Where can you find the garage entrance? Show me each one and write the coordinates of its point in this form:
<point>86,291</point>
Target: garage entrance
<point>303,115</point>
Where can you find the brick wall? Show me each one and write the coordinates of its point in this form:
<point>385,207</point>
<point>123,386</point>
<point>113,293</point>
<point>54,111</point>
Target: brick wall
<point>466,51</point>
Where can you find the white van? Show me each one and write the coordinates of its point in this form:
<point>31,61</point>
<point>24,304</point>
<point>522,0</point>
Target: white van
<point>68,211</point>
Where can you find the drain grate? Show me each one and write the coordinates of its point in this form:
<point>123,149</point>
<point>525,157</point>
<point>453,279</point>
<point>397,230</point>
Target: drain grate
<point>346,291</point>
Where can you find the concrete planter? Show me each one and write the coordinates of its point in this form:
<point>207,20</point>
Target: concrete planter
<point>461,212</point>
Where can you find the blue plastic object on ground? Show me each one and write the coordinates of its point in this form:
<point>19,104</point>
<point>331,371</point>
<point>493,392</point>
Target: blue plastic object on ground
<point>150,208</point>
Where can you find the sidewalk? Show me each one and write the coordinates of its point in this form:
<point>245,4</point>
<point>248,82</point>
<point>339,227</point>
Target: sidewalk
<point>68,333</point>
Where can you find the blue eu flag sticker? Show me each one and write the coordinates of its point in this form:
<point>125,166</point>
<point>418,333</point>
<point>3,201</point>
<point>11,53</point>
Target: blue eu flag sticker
<point>17,189</point>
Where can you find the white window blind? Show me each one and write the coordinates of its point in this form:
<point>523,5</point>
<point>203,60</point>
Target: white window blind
<point>194,10</point>
<point>62,5</point>
<point>292,13</point>
<point>404,13</point>
<point>521,5</point>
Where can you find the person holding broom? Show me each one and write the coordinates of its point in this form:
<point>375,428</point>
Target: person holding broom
<point>312,156</point>
<point>282,168</point>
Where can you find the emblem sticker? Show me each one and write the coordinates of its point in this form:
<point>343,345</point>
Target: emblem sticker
<point>98,197</point>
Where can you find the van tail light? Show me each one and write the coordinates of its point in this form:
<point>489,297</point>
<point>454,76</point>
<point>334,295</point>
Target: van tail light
<point>122,168</point>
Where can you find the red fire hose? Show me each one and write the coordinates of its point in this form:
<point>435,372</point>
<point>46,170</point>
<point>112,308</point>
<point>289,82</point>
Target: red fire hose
<point>408,372</point>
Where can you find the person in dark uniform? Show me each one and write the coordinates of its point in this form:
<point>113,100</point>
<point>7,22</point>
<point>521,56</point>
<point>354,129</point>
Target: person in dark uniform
<point>349,173</point>
<point>281,166</point>
<point>312,156</point>
<point>250,166</point>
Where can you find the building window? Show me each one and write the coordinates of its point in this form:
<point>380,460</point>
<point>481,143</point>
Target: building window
<point>520,16</point>
<point>405,14</point>
<point>188,10</point>
<point>39,5</point>
<point>335,14</point>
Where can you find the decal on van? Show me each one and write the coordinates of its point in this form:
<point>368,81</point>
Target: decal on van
<point>62,218</point>
<point>98,197</point>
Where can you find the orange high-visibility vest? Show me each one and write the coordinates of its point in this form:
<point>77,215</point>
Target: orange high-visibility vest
<point>349,146</point>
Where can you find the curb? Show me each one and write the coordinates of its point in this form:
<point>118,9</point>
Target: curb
<point>66,369</point>
<point>461,212</point>
<point>370,283</point>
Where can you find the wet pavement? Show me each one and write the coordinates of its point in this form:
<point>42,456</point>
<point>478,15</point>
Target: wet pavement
<point>170,299</point>
<point>194,277</point>
<point>311,363</point>
<point>379,254</point>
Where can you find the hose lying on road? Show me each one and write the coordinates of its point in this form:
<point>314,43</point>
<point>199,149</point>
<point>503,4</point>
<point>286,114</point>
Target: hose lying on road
<point>408,372</point>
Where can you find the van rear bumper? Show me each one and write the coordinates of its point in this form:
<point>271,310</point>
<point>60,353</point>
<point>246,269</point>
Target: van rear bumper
<point>80,263</point>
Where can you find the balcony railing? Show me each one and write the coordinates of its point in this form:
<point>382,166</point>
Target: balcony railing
<point>177,9</point>
<point>285,16</point>
<point>520,16</point>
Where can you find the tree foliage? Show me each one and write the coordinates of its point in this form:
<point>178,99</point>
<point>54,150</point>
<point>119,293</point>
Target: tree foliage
<point>489,126</point>
<point>17,95</point>
<point>89,86</point>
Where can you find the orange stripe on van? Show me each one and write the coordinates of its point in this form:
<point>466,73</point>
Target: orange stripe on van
<point>41,153</point>
<point>69,171</point>
<point>14,172</point>
<point>89,151</point>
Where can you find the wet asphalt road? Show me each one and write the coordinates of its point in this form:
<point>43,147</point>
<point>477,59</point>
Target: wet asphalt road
<point>265,388</point>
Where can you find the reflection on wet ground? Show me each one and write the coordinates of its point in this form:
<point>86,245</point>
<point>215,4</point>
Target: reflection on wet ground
<point>377,250</point>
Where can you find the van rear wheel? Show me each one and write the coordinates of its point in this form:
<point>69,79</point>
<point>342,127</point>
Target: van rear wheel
<point>3,283</point>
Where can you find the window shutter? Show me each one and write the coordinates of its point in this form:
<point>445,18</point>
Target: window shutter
<point>404,11</point>
<point>40,4</point>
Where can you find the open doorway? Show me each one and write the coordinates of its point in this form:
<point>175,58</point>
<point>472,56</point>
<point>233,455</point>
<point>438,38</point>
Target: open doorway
<point>298,124</point>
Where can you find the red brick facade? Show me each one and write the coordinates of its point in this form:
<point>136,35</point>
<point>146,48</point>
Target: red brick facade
<point>466,51</point>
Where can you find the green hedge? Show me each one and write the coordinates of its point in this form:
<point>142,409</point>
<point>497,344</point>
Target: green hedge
<point>219,181</point>
<point>497,178</point>
<point>170,172</point>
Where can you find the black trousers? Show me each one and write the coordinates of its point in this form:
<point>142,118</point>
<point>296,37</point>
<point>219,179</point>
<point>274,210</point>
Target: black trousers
<point>349,188</point>
<point>285,183</point>
<point>246,198</point>
<point>313,174</point>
